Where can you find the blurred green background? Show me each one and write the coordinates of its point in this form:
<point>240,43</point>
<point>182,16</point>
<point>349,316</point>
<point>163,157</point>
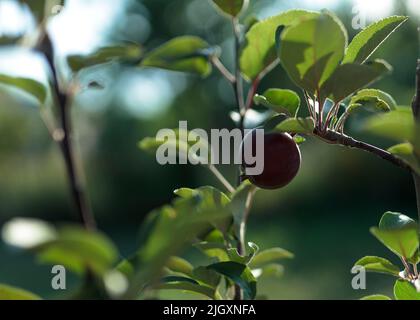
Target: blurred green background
<point>323,216</point>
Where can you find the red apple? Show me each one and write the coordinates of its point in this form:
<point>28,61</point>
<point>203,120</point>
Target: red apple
<point>282,160</point>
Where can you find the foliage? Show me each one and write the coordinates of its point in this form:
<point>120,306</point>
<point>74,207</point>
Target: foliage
<point>399,234</point>
<point>314,50</point>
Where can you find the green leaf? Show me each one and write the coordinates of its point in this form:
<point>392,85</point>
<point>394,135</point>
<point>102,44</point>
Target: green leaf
<point>126,266</point>
<point>206,276</point>
<point>208,199</point>
<point>395,221</point>
<point>271,270</point>
<point>236,257</point>
<point>185,54</point>
<point>213,250</point>
<point>179,265</point>
<point>404,290</point>
<point>270,255</point>
<point>349,78</point>
<point>180,140</point>
<point>371,38</point>
<point>239,274</point>
<point>121,53</point>
<point>415,259</point>
<point>299,139</point>
<point>379,265</point>
<point>169,279</point>
<point>12,293</point>
<point>398,125</point>
<point>163,237</point>
<point>311,50</point>
<point>402,149</point>
<point>398,233</point>
<point>371,100</point>
<point>383,100</point>
<point>273,122</point>
<point>214,245</point>
<point>376,297</point>
<point>181,218</point>
<point>405,151</point>
<point>188,287</point>
<point>73,247</point>
<point>29,86</point>
<point>259,51</point>
<point>280,101</point>
<point>296,125</point>
<point>231,8</point>
<point>79,250</point>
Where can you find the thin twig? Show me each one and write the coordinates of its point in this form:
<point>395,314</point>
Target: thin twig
<point>242,228</point>
<point>251,93</point>
<point>222,69</point>
<point>332,113</point>
<point>238,85</point>
<point>311,108</point>
<point>76,186</point>
<point>221,178</point>
<point>239,95</point>
<point>407,268</point>
<point>256,82</point>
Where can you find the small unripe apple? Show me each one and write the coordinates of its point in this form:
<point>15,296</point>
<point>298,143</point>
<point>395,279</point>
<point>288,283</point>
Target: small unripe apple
<point>282,159</point>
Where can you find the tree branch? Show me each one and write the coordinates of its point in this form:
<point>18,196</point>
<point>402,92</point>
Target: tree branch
<point>334,137</point>
<point>76,186</point>
<point>238,84</point>
<point>416,100</point>
<point>416,112</point>
<point>239,94</point>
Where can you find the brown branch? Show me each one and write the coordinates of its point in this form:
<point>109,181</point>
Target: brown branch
<point>76,186</point>
<point>239,94</point>
<point>334,137</point>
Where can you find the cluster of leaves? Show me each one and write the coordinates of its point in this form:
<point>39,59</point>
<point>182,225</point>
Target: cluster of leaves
<point>313,48</point>
<point>227,268</point>
<point>206,216</point>
<point>315,53</point>
<point>399,125</point>
<point>399,234</point>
